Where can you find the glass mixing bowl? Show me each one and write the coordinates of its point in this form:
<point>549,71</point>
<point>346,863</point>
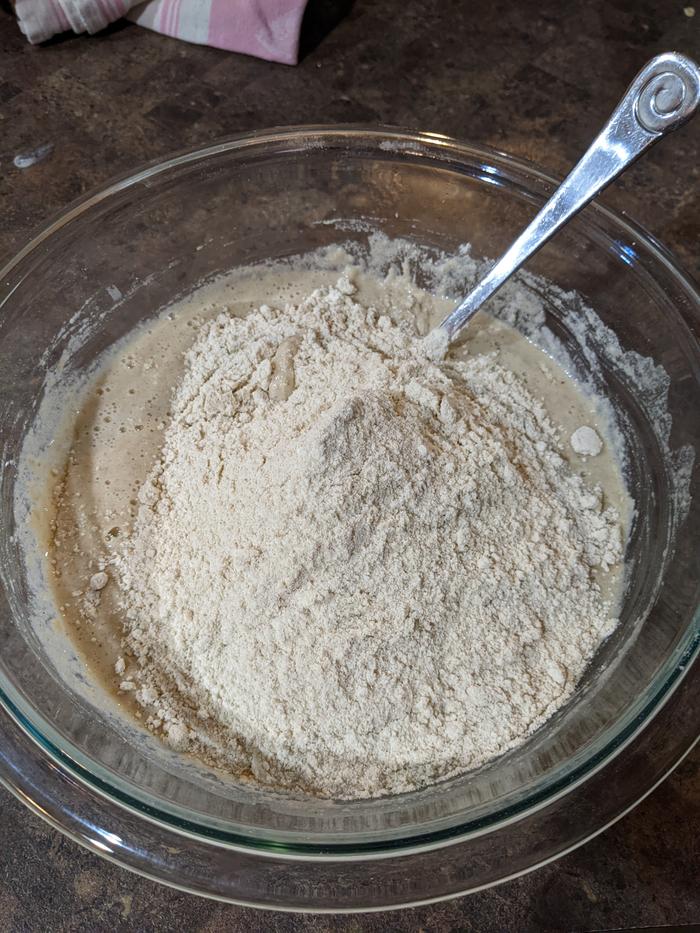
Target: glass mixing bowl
<point>124,252</point>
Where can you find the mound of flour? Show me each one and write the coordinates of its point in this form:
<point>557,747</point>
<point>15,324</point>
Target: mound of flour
<point>355,571</point>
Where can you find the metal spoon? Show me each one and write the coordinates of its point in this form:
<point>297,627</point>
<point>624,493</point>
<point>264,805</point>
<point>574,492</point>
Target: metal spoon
<point>665,94</point>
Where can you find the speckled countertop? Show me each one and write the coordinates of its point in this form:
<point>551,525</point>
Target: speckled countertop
<point>535,78</point>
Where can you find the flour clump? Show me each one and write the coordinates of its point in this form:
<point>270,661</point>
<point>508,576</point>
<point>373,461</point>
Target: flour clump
<point>355,570</point>
<point>585,441</point>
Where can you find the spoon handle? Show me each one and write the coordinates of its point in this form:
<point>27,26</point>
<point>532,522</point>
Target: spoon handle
<point>663,96</point>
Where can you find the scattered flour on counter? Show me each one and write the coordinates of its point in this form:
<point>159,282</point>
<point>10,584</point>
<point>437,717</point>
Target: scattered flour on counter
<point>354,570</point>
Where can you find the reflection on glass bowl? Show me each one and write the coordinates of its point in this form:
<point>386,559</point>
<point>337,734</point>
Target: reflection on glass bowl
<point>153,237</point>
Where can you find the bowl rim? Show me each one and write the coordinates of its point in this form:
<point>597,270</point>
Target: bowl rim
<point>79,829</point>
<point>417,144</point>
<point>421,139</point>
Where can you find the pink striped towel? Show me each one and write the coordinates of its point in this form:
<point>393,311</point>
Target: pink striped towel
<point>267,29</point>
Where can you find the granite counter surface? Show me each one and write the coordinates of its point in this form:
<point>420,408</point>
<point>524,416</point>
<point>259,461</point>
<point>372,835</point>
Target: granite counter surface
<point>535,78</point>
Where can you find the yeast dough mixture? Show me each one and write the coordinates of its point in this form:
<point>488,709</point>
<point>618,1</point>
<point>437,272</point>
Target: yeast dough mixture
<point>296,547</point>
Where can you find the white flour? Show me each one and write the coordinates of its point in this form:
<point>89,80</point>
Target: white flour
<point>355,571</point>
